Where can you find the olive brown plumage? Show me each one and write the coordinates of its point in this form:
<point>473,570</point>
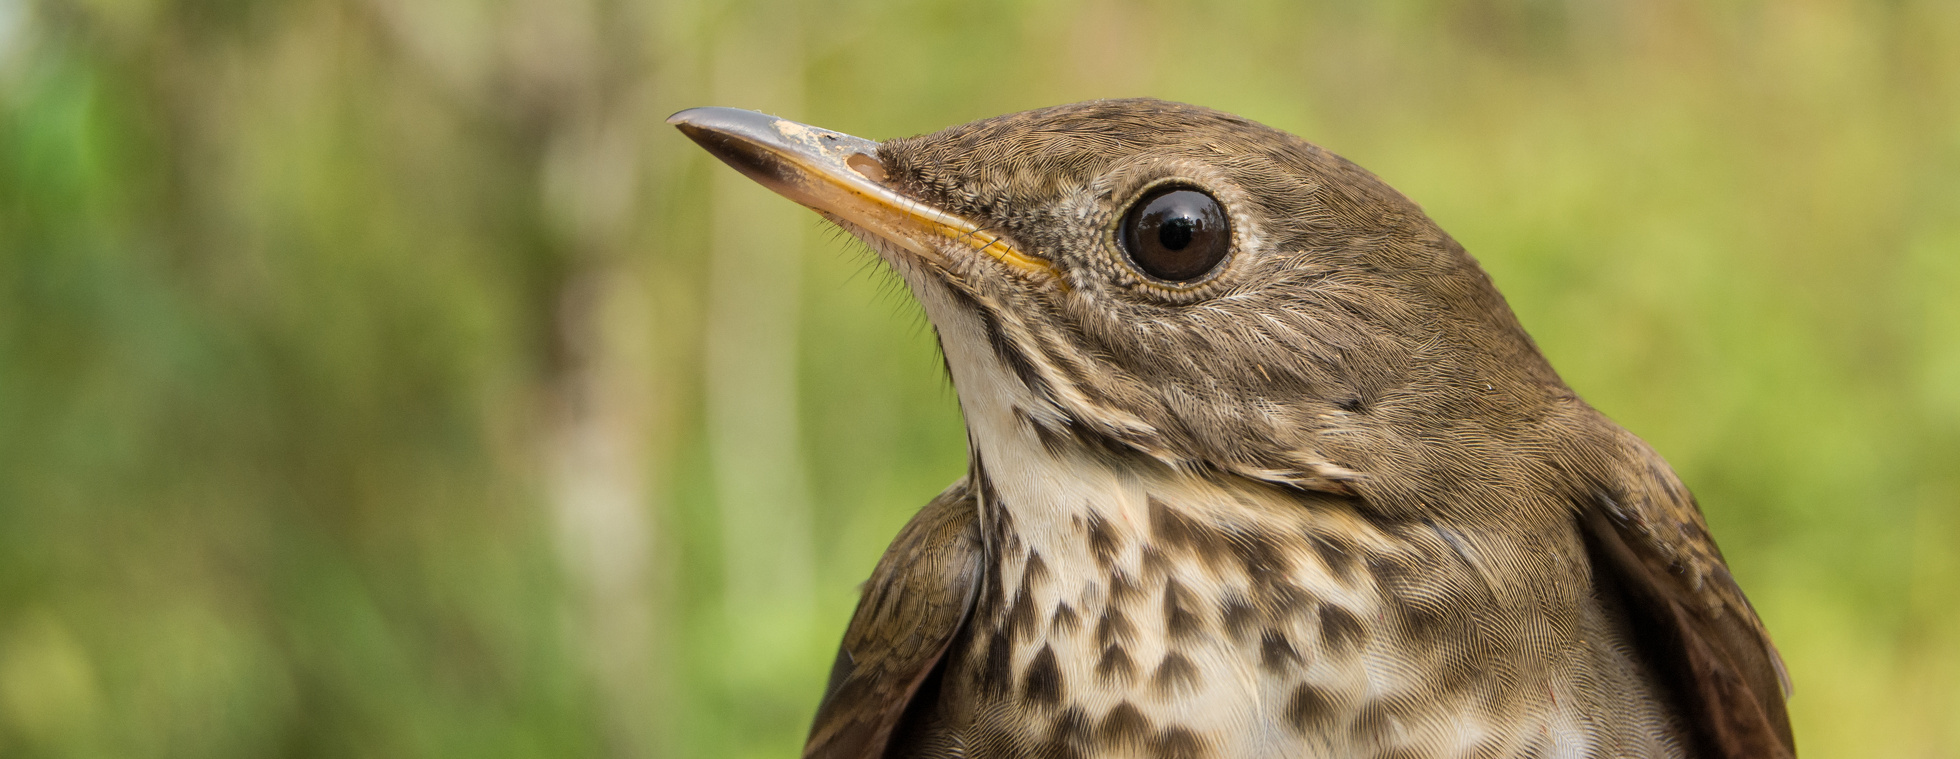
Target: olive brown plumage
<point>1261,465</point>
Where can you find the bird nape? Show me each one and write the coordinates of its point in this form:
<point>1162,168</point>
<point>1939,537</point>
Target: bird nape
<point>1260,465</point>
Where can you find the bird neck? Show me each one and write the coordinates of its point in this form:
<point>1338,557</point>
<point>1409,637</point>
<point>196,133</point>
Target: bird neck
<point>1038,486</point>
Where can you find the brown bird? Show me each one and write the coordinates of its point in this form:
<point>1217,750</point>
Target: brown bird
<point>1261,465</point>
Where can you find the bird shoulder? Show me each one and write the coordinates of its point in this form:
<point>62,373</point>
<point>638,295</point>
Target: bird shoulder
<point>912,608</point>
<point>1648,545</point>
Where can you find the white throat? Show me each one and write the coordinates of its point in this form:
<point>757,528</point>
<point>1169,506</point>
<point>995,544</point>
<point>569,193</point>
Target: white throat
<point>1042,487</point>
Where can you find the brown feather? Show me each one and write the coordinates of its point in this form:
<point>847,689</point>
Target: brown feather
<point>1714,656</point>
<point>912,608</point>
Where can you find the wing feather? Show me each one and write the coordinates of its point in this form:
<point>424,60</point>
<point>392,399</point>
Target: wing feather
<point>912,608</point>
<point>1690,618</point>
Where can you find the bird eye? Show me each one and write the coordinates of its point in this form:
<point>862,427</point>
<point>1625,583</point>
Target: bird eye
<point>1176,234</point>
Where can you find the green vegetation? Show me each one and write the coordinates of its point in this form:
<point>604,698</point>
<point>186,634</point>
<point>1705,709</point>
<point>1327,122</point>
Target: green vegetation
<point>383,378</point>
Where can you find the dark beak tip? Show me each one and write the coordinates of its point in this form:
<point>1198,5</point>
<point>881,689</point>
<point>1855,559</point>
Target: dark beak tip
<point>718,119</point>
<point>729,132</point>
<point>692,117</point>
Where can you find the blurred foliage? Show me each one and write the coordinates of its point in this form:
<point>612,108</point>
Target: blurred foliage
<point>383,378</point>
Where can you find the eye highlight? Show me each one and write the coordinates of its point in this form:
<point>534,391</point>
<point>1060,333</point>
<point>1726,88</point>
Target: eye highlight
<point>1176,234</point>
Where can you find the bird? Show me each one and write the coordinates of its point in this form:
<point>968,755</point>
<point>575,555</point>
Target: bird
<point>1260,464</point>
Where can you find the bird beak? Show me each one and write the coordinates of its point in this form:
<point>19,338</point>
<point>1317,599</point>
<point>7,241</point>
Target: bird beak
<point>840,176</point>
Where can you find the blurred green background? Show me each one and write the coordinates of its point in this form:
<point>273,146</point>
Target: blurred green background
<point>383,378</point>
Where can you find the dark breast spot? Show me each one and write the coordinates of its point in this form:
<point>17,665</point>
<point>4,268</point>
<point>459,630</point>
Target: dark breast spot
<point>993,511</point>
<point>1042,684</point>
<point>1180,612</point>
<point>1124,727</point>
<point>1390,571</point>
<point>1260,556</point>
<point>1102,540</point>
<point>1053,440</point>
<point>1155,563</point>
<point>1168,525</point>
<point>1309,710</point>
<point>1114,627</point>
<point>1276,653</point>
<point>993,600</point>
<point>1335,552</point>
<point>1238,617</point>
<point>997,672</point>
<point>1175,675</point>
<point>1070,734</point>
<point>1179,532</point>
<point>1115,665</point>
<point>1065,620</point>
<point>1179,743</point>
<point>1339,629</point>
<point>1123,589</point>
<point>1021,616</point>
<point>1036,571</point>
<point>1427,621</point>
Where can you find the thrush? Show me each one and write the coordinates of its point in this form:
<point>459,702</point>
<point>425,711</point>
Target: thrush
<point>1260,465</point>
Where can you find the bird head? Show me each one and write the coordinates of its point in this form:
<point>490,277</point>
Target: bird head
<point>1185,286</point>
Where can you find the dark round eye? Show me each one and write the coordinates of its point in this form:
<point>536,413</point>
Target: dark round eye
<point>1176,234</point>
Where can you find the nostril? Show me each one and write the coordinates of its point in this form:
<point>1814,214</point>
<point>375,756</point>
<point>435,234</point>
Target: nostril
<point>868,166</point>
